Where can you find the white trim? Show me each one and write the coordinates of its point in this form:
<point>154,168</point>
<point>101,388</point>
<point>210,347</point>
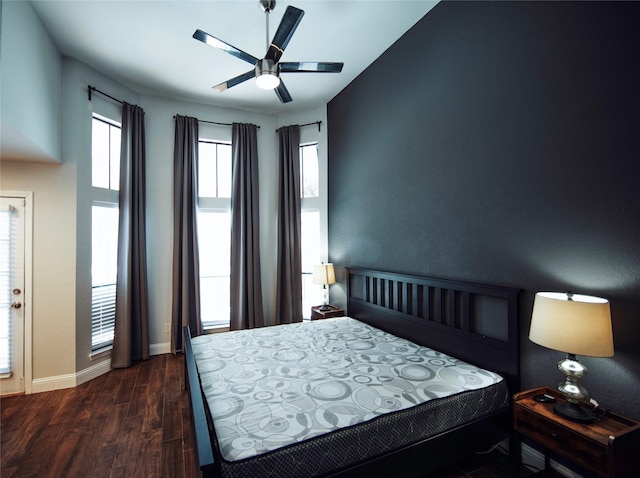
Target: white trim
<point>97,369</point>
<point>106,119</point>
<point>28,287</point>
<point>56,382</point>
<point>70,380</point>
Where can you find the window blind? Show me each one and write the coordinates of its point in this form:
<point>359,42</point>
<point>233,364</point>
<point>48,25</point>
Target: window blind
<point>6,247</point>
<point>103,315</point>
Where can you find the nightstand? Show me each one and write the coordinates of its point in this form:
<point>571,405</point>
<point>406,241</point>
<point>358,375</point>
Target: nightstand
<point>333,311</point>
<point>608,447</point>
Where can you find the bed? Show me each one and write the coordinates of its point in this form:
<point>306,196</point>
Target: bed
<point>473,327</point>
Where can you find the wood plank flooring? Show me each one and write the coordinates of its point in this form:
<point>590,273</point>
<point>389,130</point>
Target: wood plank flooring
<point>131,422</point>
<point>491,465</point>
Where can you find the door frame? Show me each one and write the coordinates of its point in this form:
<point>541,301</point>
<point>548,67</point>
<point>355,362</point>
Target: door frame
<point>27,298</point>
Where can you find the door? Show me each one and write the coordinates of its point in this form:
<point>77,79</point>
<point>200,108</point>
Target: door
<point>12,310</point>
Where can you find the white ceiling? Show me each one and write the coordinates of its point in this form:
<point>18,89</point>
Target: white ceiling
<point>148,45</point>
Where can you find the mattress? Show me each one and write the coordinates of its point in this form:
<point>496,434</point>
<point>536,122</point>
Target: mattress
<point>306,399</point>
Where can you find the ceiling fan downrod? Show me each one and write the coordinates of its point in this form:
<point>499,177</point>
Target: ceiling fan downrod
<point>267,7</point>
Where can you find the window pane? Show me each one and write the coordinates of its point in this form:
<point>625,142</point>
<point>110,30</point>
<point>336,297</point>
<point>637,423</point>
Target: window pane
<point>104,267</point>
<point>104,263</point>
<point>312,294</point>
<point>214,170</point>
<point>100,154</point>
<point>215,304</point>
<point>206,170</point>
<point>310,238</point>
<point>105,154</point>
<point>114,162</point>
<point>310,183</point>
<point>214,243</point>
<point>224,170</point>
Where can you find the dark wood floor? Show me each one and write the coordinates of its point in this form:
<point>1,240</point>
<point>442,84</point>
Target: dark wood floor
<point>491,465</point>
<point>128,423</point>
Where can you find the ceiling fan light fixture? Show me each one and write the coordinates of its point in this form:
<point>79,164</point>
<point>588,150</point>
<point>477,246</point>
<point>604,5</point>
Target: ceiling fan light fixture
<point>267,76</point>
<point>267,81</point>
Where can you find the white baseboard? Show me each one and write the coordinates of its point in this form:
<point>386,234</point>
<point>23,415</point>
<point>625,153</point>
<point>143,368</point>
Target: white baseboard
<point>535,459</point>
<point>57,382</point>
<point>70,380</point>
<point>160,349</point>
<point>94,371</point>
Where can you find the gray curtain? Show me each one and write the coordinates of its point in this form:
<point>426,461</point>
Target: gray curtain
<point>246,285</point>
<point>289,295</point>
<point>131,337</point>
<point>186,271</point>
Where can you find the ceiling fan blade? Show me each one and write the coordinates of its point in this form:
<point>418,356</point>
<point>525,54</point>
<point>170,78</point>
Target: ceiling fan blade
<point>217,43</point>
<point>310,67</point>
<point>283,93</point>
<point>236,81</point>
<point>287,27</point>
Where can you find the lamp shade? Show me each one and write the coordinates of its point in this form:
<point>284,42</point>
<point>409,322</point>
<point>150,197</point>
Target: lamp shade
<point>575,324</point>
<point>324,274</point>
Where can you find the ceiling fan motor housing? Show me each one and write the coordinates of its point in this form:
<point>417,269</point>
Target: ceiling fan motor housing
<point>267,67</point>
<point>267,5</point>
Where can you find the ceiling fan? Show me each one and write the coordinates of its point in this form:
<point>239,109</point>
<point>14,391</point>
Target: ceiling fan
<point>267,70</point>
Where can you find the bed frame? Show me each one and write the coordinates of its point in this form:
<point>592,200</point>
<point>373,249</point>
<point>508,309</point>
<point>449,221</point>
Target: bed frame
<point>476,323</point>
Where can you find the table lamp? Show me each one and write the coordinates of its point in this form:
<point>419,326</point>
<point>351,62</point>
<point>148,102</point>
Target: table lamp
<point>577,325</point>
<point>324,275</point>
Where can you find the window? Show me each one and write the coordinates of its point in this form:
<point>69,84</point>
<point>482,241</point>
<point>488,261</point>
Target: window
<point>105,178</point>
<point>310,225</point>
<point>309,171</point>
<point>105,153</point>
<point>104,269</point>
<point>214,232</point>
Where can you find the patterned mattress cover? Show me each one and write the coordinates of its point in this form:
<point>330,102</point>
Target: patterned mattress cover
<point>301,388</point>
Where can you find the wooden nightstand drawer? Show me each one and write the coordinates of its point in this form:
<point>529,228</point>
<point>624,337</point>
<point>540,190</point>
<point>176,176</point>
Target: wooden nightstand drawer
<point>555,437</point>
<point>608,447</point>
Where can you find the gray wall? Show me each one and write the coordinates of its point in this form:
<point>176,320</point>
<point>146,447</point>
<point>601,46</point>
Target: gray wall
<point>30,87</point>
<point>500,143</point>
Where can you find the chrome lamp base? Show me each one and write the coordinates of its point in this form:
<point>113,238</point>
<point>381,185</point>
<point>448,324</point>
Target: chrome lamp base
<point>325,299</point>
<point>571,409</point>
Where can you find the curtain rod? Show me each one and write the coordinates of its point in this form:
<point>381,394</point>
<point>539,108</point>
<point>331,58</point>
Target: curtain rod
<point>93,88</point>
<point>221,124</point>
<point>303,125</point>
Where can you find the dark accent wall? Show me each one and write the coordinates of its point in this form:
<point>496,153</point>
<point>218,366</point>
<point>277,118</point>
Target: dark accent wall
<point>499,142</point>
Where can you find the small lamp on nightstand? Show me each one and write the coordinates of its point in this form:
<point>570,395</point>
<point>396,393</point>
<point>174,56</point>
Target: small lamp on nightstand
<point>575,324</point>
<point>324,275</point>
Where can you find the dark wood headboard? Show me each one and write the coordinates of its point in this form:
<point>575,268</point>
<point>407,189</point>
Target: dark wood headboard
<point>476,323</point>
